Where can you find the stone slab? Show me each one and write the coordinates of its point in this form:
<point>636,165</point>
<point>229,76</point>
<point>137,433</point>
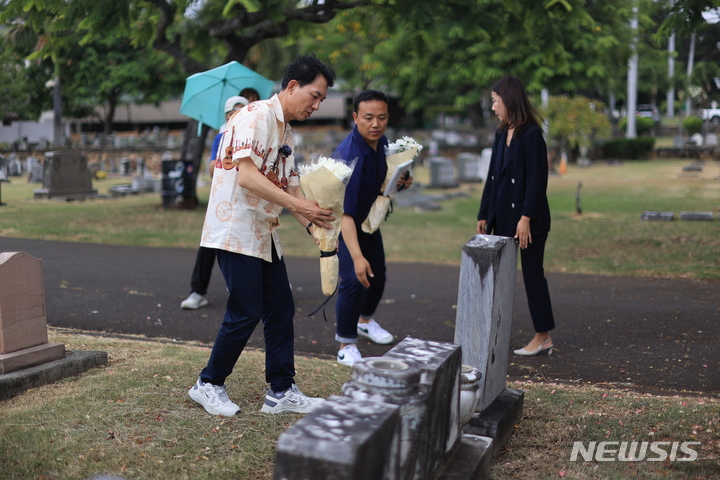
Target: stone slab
<point>440,363</point>
<point>697,216</point>
<point>470,461</point>
<point>29,357</point>
<point>344,439</point>
<point>23,322</point>
<point>498,420</point>
<point>488,269</point>
<point>658,216</point>
<point>74,363</point>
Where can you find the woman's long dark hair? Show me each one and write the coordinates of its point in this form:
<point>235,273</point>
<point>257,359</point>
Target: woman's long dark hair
<point>521,112</point>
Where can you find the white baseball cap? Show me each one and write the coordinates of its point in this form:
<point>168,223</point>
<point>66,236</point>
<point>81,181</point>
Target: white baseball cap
<point>232,101</point>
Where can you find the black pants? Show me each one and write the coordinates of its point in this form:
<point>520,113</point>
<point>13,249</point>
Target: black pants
<point>536,285</point>
<point>204,263</point>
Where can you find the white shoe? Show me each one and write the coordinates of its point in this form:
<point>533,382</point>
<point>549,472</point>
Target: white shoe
<point>374,332</point>
<point>214,399</point>
<point>349,354</point>
<point>194,301</point>
<point>293,400</point>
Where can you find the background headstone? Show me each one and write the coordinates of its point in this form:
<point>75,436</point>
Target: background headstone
<point>658,216</point>
<point>66,174</point>
<point>442,173</point>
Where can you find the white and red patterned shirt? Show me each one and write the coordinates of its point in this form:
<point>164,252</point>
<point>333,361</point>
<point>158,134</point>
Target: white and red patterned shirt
<point>236,219</point>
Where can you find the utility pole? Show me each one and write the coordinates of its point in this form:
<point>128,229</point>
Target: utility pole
<point>671,72</point>
<point>632,77</point>
<point>690,66</point>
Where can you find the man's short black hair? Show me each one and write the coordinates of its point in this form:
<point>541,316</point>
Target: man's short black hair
<point>369,95</point>
<point>306,69</point>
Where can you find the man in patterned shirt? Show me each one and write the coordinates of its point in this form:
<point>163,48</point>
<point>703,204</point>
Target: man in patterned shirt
<point>254,179</point>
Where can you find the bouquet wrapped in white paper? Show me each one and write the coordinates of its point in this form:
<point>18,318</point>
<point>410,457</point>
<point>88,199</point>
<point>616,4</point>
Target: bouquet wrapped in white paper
<point>324,181</point>
<point>397,153</point>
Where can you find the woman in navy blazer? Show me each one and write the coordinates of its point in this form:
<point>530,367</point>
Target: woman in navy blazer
<point>514,202</point>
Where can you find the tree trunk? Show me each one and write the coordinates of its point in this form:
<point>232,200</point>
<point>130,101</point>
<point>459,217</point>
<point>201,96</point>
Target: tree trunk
<point>109,121</point>
<point>475,112</point>
<point>192,151</point>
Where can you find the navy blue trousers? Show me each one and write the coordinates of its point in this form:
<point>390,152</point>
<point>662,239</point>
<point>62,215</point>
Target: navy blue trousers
<point>354,300</point>
<point>259,290</point>
<point>536,286</point>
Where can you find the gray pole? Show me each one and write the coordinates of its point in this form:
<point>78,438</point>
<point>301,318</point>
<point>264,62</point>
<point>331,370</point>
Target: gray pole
<point>632,78</point>
<point>671,72</point>
<point>690,66</point>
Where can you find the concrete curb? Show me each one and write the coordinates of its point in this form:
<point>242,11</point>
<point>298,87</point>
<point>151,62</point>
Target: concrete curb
<point>74,363</point>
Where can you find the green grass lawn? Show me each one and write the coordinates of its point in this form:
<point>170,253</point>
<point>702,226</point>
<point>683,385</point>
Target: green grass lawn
<point>608,238</point>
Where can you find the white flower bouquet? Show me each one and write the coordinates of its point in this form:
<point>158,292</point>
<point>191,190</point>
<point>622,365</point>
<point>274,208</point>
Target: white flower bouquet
<point>397,153</point>
<point>324,181</point>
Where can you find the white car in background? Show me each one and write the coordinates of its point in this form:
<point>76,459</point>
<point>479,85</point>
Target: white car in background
<point>712,114</point>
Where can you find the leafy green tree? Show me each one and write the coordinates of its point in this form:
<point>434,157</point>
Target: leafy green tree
<point>450,52</point>
<point>198,35</point>
<point>576,122</point>
<point>111,72</point>
<point>23,94</point>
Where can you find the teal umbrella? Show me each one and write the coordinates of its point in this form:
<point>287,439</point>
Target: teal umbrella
<point>205,92</point>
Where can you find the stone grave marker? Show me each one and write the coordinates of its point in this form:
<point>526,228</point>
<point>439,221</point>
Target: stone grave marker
<point>697,216</point>
<point>23,325</point>
<point>658,216</point>
<point>3,169</point>
<point>484,310</point>
<point>66,174</point>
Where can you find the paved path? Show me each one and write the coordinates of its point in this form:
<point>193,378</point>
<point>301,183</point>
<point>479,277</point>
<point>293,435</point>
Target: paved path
<point>655,334</point>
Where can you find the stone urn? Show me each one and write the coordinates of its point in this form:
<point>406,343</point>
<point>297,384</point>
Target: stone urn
<point>469,392</point>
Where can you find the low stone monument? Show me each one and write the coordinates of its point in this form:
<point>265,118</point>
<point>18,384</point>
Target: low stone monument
<point>27,360</point>
<point>23,325</point>
<point>658,216</point>
<point>398,419</point>
<point>697,216</point>
<point>66,174</point>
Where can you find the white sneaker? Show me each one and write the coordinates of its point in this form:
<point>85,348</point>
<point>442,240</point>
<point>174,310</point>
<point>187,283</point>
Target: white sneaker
<point>375,333</point>
<point>293,400</point>
<point>194,301</point>
<point>349,354</point>
<point>214,399</point>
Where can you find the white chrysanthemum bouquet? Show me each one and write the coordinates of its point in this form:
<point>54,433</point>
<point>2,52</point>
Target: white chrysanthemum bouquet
<point>324,181</point>
<point>399,152</point>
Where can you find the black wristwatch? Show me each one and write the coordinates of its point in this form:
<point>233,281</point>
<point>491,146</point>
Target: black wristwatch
<point>308,228</point>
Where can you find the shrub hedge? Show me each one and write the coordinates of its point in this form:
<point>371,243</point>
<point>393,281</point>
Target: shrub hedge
<point>629,148</point>
<point>692,125</point>
<point>643,125</point>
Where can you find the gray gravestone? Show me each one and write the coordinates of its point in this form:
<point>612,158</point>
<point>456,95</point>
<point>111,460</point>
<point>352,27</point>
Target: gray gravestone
<point>484,309</point>
<point>66,174</point>
<point>440,364</point>
<point>697,216</point>
<point>658,216</point>
<point>343,438</point>
<point>14,167</point>
<point>442,173</point>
